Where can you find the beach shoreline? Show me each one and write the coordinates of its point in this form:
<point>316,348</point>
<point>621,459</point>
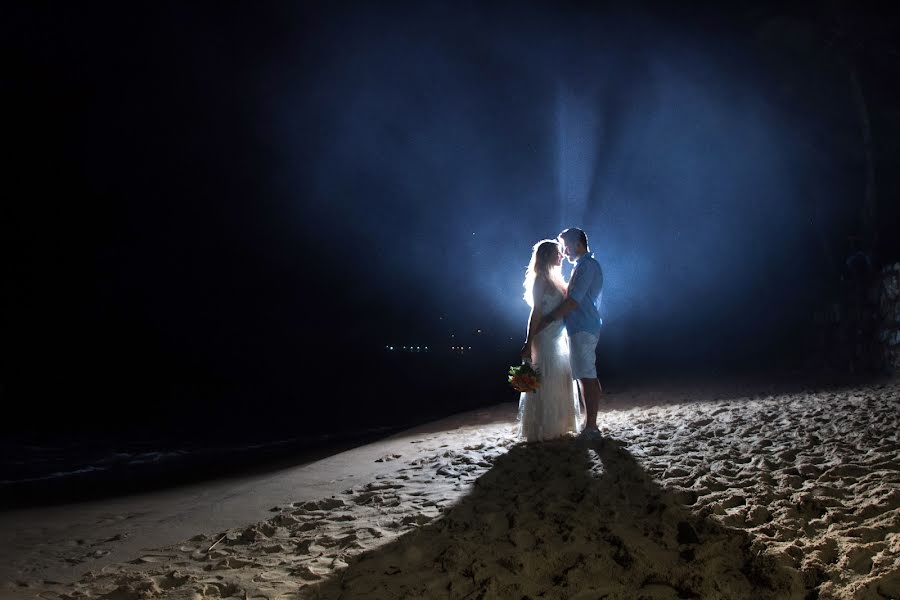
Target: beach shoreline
<point>160,515</point>
<point>699,491</point>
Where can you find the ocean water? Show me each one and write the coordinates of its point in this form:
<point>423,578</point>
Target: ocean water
<point>49,469</point>
<point>135,439</point>
<point>30,460</point>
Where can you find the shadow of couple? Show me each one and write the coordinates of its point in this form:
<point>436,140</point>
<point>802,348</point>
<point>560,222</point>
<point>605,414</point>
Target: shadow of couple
<point>565,519</point>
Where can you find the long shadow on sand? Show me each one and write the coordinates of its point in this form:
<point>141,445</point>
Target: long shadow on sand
<point>564,520</point>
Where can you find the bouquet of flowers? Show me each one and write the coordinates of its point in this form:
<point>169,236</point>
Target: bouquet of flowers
<point>523,378</point>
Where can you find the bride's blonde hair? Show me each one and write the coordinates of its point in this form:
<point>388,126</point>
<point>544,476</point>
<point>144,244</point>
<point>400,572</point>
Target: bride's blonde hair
<point>543,257</point>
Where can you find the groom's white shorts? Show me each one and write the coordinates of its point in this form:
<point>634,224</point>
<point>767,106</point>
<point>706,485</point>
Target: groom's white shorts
<point>583,355</point>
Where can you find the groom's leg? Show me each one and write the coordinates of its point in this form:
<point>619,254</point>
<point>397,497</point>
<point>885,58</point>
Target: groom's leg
<point>591,392</point>
<point>581,404</point>
<point>583,355</point>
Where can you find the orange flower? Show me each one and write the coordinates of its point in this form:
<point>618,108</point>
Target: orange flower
<point>523,378</point>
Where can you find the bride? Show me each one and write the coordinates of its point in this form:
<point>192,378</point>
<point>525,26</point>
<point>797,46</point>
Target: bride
<point>551,411</point>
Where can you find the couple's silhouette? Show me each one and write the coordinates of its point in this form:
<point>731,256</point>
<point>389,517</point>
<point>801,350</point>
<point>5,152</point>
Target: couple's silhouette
<point>561,341</point>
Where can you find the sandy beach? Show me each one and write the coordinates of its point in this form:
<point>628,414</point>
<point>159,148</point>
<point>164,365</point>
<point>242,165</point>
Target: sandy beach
<point>694,493</point>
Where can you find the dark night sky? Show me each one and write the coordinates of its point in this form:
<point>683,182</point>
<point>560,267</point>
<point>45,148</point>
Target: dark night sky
<point>217,208</point>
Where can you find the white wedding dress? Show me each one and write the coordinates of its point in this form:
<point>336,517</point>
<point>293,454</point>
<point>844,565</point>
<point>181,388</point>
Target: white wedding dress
<point>553,410</point>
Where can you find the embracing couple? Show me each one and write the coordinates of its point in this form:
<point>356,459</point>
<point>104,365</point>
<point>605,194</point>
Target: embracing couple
<point>561,341</point>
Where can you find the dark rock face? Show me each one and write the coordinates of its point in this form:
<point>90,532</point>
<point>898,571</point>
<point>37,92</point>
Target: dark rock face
<point>888,331</point>
<point>858,330</point>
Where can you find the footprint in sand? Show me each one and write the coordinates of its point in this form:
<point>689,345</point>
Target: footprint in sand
<point>211,588</point>
<point>153,558</point>
<point>170,581</point>
<point>325,504</point>
<point>388,458</point>
<point>869,534</point>
<point>105,519</point>
<point>859,558</point>
<point>825,552</point>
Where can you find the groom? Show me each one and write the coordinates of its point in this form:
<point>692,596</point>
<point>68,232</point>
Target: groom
<point>581,311</point>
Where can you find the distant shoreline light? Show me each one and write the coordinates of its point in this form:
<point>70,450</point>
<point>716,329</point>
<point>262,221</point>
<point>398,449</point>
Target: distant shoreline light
<point>391,348</point>
<point>422,349</point>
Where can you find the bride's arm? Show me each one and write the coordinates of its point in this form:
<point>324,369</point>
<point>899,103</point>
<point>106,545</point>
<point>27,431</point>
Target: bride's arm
<point>535,324</point>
